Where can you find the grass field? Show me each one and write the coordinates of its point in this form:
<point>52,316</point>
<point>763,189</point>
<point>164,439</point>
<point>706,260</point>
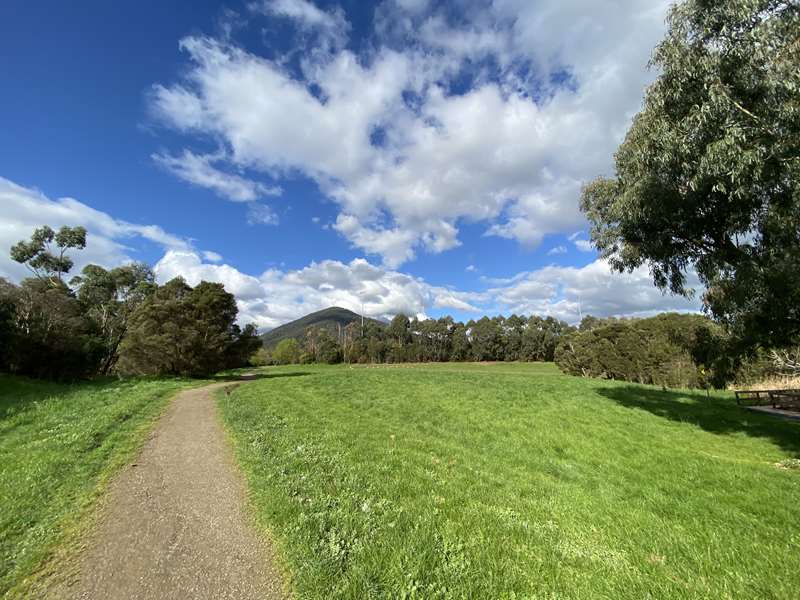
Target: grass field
<point>58,446</point>
<point>514,481</point>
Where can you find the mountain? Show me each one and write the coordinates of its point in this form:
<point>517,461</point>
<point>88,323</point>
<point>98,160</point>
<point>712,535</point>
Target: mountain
<point>330,318</point>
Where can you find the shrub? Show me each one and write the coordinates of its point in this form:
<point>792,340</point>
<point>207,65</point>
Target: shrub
<point>287,352</point>
<point>670,349</point>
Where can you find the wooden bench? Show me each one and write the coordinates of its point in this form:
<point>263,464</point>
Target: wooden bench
<point>777,398</point>
<point>752,397</point>
<point>789,399</point>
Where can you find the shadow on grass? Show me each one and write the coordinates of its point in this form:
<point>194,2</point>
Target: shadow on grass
<point>715,415</point>
<point>254,376</point>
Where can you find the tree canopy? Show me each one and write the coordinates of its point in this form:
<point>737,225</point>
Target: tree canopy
<point>44,261</point>
<point>116,320</point>
<point>708,175</point>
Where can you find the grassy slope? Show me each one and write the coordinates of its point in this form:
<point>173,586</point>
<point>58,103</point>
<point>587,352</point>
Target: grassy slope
<point>513,481</point>
<point>58,446</point>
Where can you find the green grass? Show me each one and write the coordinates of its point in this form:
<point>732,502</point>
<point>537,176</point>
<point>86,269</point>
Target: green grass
<point>514,481</point>
<point>59,444</point>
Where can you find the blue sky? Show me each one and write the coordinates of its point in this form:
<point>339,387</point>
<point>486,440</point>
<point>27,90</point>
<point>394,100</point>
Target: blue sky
<point>411,156</point>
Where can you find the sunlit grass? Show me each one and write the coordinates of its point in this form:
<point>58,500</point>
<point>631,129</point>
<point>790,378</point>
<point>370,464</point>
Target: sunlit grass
<point>59,444</point>
<point>514,481</point>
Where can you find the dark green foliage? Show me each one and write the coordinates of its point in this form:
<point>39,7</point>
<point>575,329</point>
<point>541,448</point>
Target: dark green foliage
<point>7,322</point>
<point>322,346</point>
<point>49,329</point>
<point>245,345</point>
<point>709,174</point>
<point>45,262</point>
<point>399,330</point>
<point>180,330</point>
<point>487,340</point>
<point>51,336</point>
<point>109,298</point>
<point>540,338</point>
<point>670,349</point>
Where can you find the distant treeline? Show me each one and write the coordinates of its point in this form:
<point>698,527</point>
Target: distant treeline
<point>671,349</point>
<point>112,321</point>
<point>432,340</point>
<point>120,321</point>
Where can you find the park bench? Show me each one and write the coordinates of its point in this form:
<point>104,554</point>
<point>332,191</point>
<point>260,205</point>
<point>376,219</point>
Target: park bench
<point>777,398</point>
<point>789,399</point>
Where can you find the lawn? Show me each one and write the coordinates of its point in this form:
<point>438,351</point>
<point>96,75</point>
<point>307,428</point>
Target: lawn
<point>59,444</point>
<point>514,481</point>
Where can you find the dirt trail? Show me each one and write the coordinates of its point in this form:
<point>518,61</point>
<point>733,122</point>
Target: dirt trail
<point>175,523</point>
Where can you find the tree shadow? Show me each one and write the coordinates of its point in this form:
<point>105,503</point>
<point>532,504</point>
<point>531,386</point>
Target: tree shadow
<point>715,415</point>
<point>254,376</point>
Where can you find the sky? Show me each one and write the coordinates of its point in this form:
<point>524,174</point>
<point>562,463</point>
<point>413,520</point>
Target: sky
<point>395,156</point>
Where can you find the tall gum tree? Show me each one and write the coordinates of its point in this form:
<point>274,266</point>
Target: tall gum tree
<point>707,177</point>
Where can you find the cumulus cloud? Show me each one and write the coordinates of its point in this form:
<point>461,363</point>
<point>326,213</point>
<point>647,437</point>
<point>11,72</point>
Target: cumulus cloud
<point>557,250</point>
<point>569,292</point>
<point>277,296</point>
<point>211,256</point>
<point>332,24</point>
<point>401,143</point>
<point>200,171</point>
<point>108,241</point>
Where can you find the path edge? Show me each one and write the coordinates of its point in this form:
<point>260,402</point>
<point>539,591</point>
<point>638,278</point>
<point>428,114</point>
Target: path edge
<point>60,562</point>
<point>271,542</point>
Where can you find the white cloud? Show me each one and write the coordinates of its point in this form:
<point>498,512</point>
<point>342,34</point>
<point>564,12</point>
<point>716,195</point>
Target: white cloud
<point>584,245</point>
<point>568,292</point>
<point>307,16</point>
<point>187,264</point>
<point>557,250</point>
<point>108,239</point>
<point>511,150</point>
<point>278,296</point>
<point>471,269</point>
<point>211,256</point>
<point>200,171</point>
<point>261,214</point>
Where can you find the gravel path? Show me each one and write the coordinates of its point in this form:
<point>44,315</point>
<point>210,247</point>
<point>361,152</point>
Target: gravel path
<point>175,523</point>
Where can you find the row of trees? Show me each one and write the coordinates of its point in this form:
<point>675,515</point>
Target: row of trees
<point>670,349</point>
<point>431,340</point>
<point>112,321</point>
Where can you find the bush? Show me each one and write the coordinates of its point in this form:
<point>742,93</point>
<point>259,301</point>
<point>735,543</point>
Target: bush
<point>261,358</point>
<point>670,349</point>
<point>287,352</point>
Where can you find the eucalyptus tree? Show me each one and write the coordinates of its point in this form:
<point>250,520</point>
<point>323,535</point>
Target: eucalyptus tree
<point>45,253</point>
<point>708,177</point>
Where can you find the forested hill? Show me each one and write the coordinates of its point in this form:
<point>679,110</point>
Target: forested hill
<point>330,319</point>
